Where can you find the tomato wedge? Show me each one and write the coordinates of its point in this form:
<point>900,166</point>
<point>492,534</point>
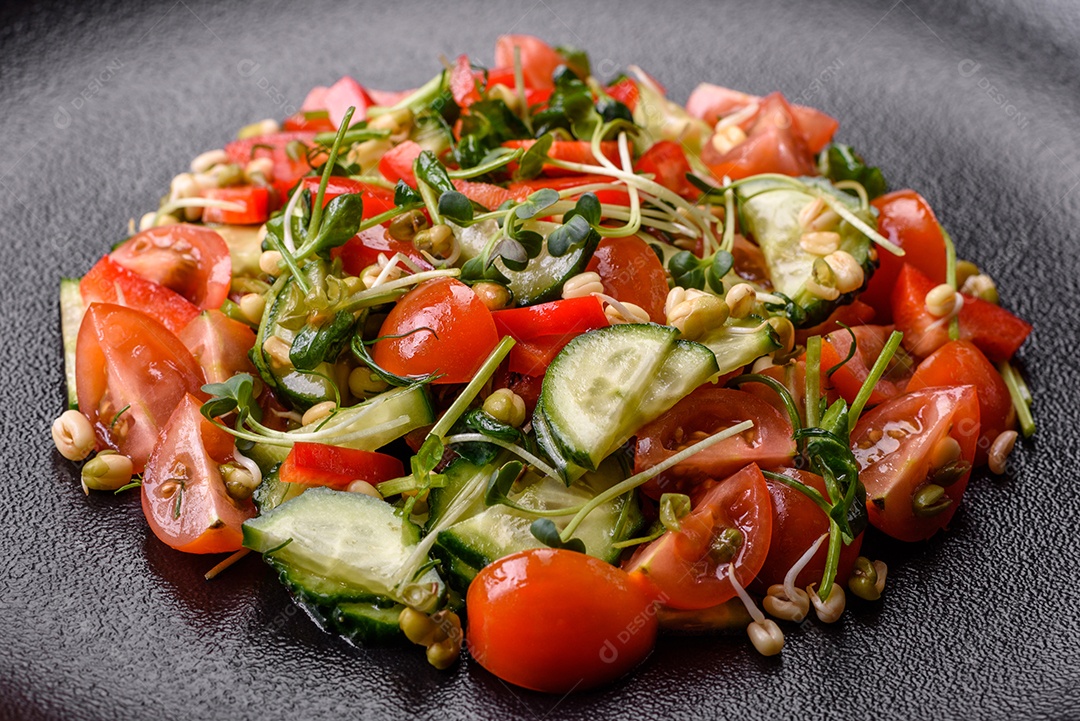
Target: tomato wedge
<point>705,411</point>
<point>626,92</point>
<point>219,345</point>
<point>667,162</point>
<point>797,523</point>
<point>342,95</point>
<point>364,249</point>
<point>131,372</point>
<point>376,200</point>
<point>309,121</point>
<point>183,494</point>
<point>848,378</point>
<point>906,219</point>
<point>960,363</point>
<point>110,282</point>
<point>254,198</point>
<point>596,626</point>
<point>318,464</point>
<point>731,522</point>
<point>397,163</point>
<point>288,151</point>
<point>192,260</point>
<point>488,195</point>
<point>521,189</point>
<point>630,271</point>
<point>538,59</point>
<point>569,151</point>
<point>712,102</point>
<point>994,330</point>
<point>894,444</point>
<point>440,327</point>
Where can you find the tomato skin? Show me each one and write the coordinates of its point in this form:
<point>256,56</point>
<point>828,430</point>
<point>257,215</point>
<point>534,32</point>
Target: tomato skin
<point>678,564</point>
<point>994,330</point>
<point>959,363</point>
<point>797,523</point>
<point>364,249</point>
<point>299,121</point>
<point>341,95</point>
<point>192,260</point>
<point>317,464</point>
<point>852,314</point>
<point>127,360</point>
<point>219,345</point>
<point>376,200</point>
<point>906,219</point>
<point>110,282</point>
<point>708,409</point>
<point>287,170</point>
<point>847,380</point>
<point>521,189</point>
<point>553,620</point>
<point>669,166</point>
<point>626,92</point>
<point>191,450</point>
<point>570,151</point>
<point>254,198</point>
<point>488,195</point>
<point>630,271</point>
<point>460,335</point>
<point>894,469</point>
<point>538,59</point>
<point>397,162</point>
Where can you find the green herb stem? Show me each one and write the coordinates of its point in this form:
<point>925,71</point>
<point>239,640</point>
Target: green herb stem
<point>461,403</point>
<point>876,372</point>
<point>317,205</point>
<point>813,381</point>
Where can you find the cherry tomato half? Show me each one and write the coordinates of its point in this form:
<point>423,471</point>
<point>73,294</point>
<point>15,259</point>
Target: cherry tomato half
<point>554,620</point>
<point>131,372</point>
<point>441,327</point>
<point>894,445</point>
<point>705,411</point>
<point>183,494</point>
<point>630,271</point>
<point>731,522</point>
<point>192,260</point>
<point>219,344</point>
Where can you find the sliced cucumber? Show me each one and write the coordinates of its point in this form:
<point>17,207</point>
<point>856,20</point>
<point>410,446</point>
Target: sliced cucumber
<point>458,475</point>
<point>607,383</point>
<point>769,211</point>
<point>364,623</point>
<point>245,247</point>
<point>319,589</point>
<point>350,538</point>
<point>377,421</point>
<point>543,279</point>
<point>71,313</point>
<point>272,492</point>
<point>736,346</point>
<point>499,530</point>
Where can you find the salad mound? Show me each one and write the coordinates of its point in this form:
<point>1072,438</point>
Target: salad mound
<point>540,365</point>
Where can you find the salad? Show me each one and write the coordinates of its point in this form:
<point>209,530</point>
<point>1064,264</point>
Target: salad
<point>540,365</point>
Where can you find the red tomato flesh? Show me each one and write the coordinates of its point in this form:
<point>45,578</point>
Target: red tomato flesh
<point>705,411</point>
<point>219,345</point>
<point>557,621</point>
<point>630,272</point>
<point>893,444</point>
<point>131,372</point>
<point>110,282</point>
<point>685,568</point>
<point>376,200</point>
<point>959,363</point>
<point>848,378</point>
<point>183,494</point>
<point>254,198</point>
<point>192,260</point>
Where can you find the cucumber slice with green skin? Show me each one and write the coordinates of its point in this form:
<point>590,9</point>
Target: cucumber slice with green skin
<point>543,278</point>
<point>734,347</point>
<point>377,421</point>
<point>71,313</point>
<point>346,537</point>
<point>319,589</point>
<point>499,530</point>
<point>364,623</point>
<point>607,383</point>
<point>272,492</point>
<point>769,211</point>
<point>457,572</point>
<point>458,475</point>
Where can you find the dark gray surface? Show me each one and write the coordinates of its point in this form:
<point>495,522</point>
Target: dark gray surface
<point>972,103</point>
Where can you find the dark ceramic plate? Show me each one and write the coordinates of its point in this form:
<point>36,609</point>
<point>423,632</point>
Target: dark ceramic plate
<point>973,103</point>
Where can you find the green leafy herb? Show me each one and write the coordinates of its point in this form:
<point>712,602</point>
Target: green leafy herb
<point>455,206</point>
<point>235,394</point>
<point>689,271</point>
<point>532,162</point>
<point>432,173</point>
<point>545,531</point>
<point>315,344</point>
<point>839,162</point>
